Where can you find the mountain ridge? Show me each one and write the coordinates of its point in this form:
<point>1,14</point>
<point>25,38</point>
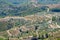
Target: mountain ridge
<point>18,2</point>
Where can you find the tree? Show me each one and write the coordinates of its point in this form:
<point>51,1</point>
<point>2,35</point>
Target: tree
<point>53,18</point>
<point>34,38</point>
<point>46,35</point>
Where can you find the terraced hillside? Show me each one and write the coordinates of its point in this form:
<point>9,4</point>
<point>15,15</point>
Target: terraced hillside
<point>29,19</point>
<point>32,25</point>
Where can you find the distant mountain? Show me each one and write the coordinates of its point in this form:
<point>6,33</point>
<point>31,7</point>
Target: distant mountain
<point>7,7</point>
<point>20,2</point>
<point>49,1</point>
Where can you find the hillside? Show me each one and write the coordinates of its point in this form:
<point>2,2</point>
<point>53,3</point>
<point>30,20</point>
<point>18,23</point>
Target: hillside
<point>34,1</point>
<point>29,19</point>
<point>23,26</point>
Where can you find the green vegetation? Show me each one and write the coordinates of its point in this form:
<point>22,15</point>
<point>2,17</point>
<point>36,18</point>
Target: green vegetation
<point>58,38</point>
<point>3,39</point>
<point>40,25</point>
<point>5,26</point>
<point>55,9</point>
<point>53,18</point>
